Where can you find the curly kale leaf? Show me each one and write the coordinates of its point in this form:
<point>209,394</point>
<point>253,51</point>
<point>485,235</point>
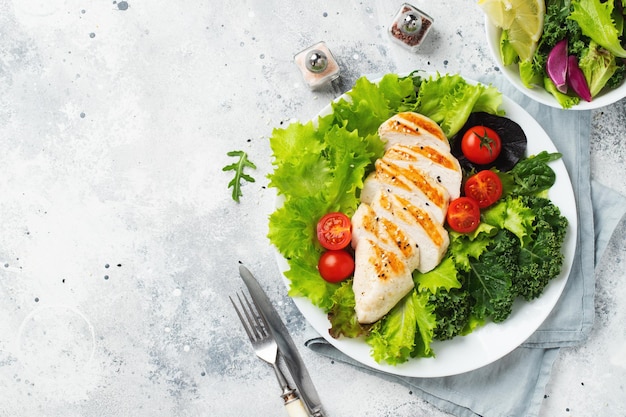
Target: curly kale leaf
<point>447,295</point>
<point>238,167</point>
<point>540,258</point>
<point>490,278</point>
<point>452,310</point>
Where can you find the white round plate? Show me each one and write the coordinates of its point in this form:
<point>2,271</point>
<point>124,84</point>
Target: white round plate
<point>491,341</point>
<point>539,94</point>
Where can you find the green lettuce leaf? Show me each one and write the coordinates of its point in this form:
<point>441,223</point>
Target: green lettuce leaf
<point>342,315</point>
<point>566,101</point>
<point>595,19</point>
<point>406,331</point>
<point>292,228</point>
<point>426,324</point>
<point>449,100</point>
<point>444,276</point>
<point>530,74</point>
<point>365,109</point>
<point>598,65</point>
<point>507,52</point>
<point>465,247</point>
<point>513,215</point>
<point>296,152</point>
<point>306,282</point>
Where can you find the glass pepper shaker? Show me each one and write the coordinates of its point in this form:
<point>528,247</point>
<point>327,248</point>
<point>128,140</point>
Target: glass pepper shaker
<point>410,26</point>
<point>317,65</point>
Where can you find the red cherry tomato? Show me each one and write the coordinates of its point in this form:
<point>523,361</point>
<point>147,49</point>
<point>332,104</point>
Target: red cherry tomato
<point>481,145</point>
<point>334,231</point>
<point>463,215</point>
<point>485,187</point>
<point>335,265</point>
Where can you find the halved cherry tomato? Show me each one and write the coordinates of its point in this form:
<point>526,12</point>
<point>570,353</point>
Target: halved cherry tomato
<point>463,215</point>
<point>334,231</point>
<point>481,145</point>
<point>485,187</point>
<point>335,265</point>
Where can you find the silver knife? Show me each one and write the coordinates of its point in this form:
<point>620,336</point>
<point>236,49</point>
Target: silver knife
<point>285,344</point>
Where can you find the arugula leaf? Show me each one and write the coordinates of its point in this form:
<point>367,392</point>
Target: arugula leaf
<point>238,167</point>
<point>596,21</point>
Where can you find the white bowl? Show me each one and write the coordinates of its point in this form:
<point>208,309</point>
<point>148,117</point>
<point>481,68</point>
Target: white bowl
<point>604,98</point>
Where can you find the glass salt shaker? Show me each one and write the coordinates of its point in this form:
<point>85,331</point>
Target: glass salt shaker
<point>317,65</point>
<point>410,26</point>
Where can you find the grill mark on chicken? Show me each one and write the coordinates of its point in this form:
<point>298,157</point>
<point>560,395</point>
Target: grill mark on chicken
<point>416,177</point>
<point>407,153</point>
<point>398,237</point>
<point>388,232</point>
<point>386,263</point>
<point>411,123</point>
<point>421,217</point>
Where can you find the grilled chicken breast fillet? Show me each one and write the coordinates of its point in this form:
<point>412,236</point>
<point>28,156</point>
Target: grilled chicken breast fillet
<point>412,129</point>
<point>385,259</point>
<point>430,236</point>
<point>398,227</point>
<point>414,183</point>
<point>440,165</point>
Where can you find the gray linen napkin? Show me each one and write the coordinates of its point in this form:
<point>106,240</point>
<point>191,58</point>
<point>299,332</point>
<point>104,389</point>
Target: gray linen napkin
<point>519,379</point>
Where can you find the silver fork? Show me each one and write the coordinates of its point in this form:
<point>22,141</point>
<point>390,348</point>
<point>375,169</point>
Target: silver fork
<point>266,348</point>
